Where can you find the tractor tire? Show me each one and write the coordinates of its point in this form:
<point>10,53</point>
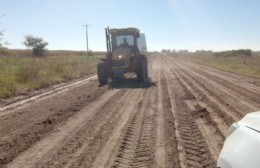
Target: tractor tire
<point>141,71</point>
<point>146,68</point>
<point>102,73</point>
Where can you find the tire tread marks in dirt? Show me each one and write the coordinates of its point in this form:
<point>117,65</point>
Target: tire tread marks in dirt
<point>207,113</point>
<point>172,155</point>
<point>137,149</point>
<point>89,139</point>
<point>246,88</point>
<point>223,110</point>
<point>194,145</point>
<point>231,97</point>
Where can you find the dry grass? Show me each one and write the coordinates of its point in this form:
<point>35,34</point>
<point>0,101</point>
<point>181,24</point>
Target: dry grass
<point>240,64</point>
<point>19,74</point>
<point>17,52</point>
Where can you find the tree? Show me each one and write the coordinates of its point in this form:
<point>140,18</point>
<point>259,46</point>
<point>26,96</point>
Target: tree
<point>2,42</point>
<point>37,45</point>
<point>1,38</point>
<point>2,49</point>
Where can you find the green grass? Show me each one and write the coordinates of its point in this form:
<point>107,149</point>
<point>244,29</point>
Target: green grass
<point>245,65</point>
<point>21,74</point>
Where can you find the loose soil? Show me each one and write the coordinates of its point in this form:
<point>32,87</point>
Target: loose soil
<point>179,119</point>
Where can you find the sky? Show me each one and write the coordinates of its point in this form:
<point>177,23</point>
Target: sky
<point>168,24</point>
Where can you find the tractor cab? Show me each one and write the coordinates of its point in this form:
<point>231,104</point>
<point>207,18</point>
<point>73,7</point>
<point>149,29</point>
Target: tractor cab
<point>123,37</point>
<point>124,47</point>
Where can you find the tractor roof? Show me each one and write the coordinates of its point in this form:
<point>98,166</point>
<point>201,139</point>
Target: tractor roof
<point>124,31</point>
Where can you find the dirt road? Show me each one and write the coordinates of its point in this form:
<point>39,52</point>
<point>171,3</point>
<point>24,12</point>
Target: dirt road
<point>179,120</point>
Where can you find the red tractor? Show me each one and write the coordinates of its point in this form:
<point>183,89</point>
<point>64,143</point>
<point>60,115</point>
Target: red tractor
<point>122,56</point>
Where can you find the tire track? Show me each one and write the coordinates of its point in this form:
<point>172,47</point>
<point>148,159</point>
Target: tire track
<point>144,154</point>
<point>109,150</point>
<point>227,113</point>
<point>215,114</point>
<point>238,81</point>
<point>160,152</point>
<point>196,153</point>
<point>89,154</point>
<point>174,150</point>
<point>137,143</point>
<point>246,104</point>
<point>247,89</point>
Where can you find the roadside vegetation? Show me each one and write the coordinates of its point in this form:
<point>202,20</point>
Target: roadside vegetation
<point>20,74</point>
<point>242,62</point>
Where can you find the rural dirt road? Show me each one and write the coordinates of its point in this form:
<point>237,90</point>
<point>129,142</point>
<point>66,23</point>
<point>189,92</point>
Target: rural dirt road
<point>180,120</point>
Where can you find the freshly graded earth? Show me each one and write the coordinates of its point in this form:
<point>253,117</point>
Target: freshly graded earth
<point>179,119</point>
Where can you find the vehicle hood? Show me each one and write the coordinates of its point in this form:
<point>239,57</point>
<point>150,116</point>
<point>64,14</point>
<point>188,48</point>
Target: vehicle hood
<point>251,120</point>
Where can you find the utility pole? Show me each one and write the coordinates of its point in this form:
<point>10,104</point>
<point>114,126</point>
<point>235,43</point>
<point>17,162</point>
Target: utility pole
<point>86,25</point>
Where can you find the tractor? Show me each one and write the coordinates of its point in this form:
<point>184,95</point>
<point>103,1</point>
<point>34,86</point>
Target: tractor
<point>123,56</point>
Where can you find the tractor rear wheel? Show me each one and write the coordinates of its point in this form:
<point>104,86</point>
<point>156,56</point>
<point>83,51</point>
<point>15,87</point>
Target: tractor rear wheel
<point>141,71</point>
<point>102,73</point>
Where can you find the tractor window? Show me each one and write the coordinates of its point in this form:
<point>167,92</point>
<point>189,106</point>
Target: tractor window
<point>125,40</point>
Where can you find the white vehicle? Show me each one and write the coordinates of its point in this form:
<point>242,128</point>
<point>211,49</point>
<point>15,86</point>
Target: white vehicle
<point>242,145</point>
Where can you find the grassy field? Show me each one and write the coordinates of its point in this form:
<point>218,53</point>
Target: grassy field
<point>20,74</point>
<point>240,64</point>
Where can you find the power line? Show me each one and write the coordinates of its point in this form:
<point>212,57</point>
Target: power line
<point>86,25</point>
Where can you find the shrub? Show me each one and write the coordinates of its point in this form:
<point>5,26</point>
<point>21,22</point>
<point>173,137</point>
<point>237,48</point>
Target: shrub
<point>241,52</point>
<point>37,45</point>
